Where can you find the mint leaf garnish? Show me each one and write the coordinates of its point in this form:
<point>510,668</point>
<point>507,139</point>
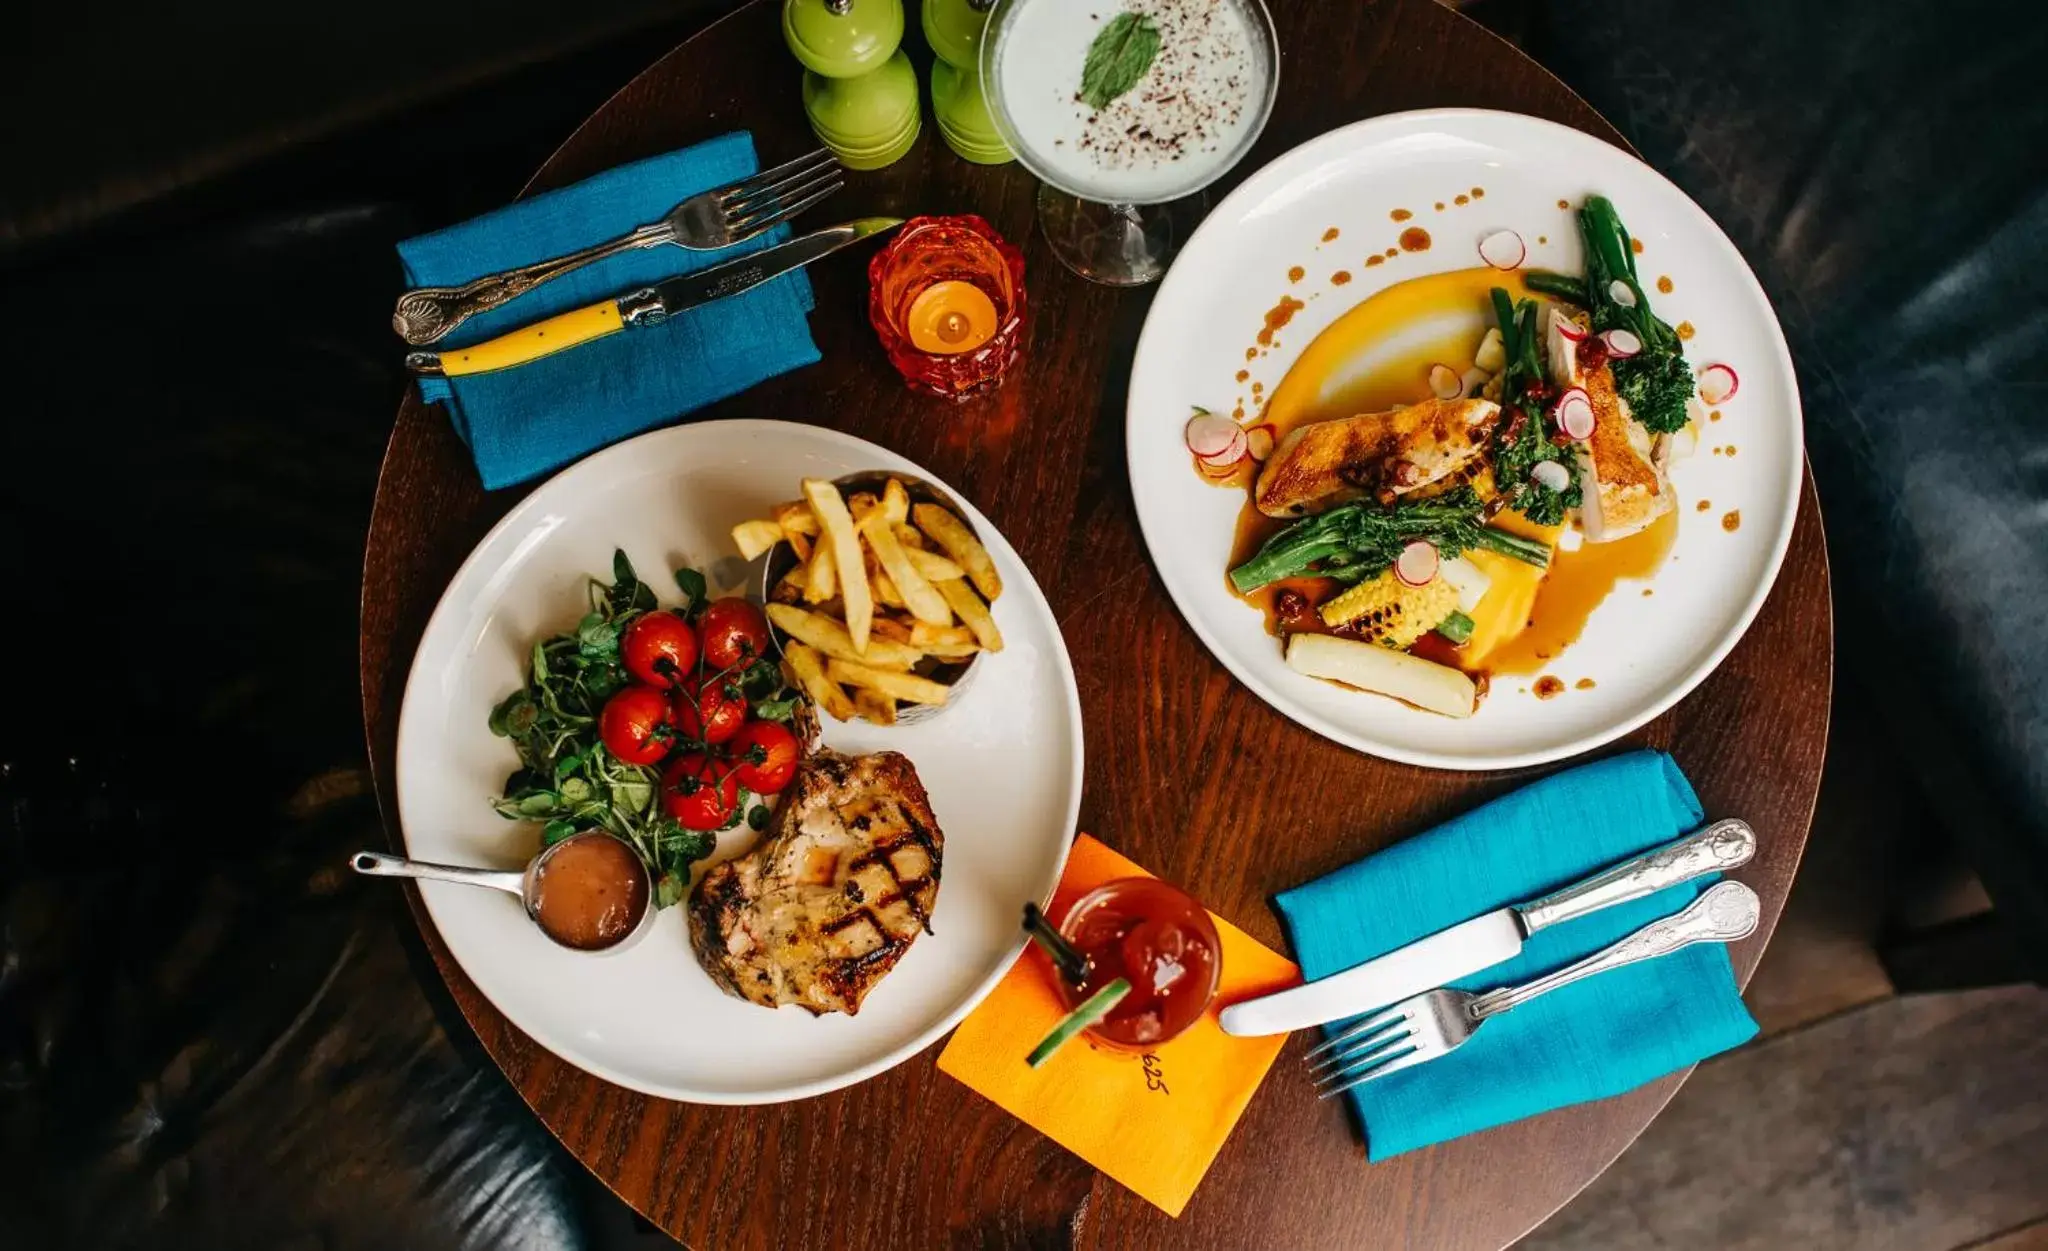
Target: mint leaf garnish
<point>1117,60</point>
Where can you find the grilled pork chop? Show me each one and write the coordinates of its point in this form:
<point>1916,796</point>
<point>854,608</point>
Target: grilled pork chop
<point>1386,454</point>
<point>839,887</point>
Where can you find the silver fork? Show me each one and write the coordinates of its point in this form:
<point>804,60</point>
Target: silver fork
<point>706,221</point>
<point>1437,1022</point>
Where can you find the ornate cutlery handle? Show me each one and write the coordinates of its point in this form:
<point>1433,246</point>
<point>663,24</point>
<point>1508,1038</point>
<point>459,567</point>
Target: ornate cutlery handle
<point>1722,845</point>
<point>426,314</point>
<point>1726,912</point>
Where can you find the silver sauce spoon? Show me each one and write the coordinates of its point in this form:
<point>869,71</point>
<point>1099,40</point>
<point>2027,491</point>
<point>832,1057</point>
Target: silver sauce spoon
<point>524,883</point>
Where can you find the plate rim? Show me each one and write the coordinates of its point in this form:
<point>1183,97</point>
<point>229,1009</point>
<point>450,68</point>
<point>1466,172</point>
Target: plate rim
<point>1367,130</point>
<point>593,466</point>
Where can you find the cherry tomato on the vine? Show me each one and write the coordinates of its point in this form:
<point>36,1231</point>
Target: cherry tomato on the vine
<point>636,725</point>
<point>699,792</point>
<point>734,633</point>
<point>660,649</point>
<point>764,755</point>
<point>711,711</point>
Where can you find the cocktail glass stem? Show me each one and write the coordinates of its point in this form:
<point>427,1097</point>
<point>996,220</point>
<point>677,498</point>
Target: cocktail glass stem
<point>1118,245</point>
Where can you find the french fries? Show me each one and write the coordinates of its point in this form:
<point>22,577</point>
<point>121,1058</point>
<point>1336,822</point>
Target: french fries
<point>755,537</point>
<point>808,669</point>
<point>962,599</point>
<point>924,603</point>
<point>794,518</point>
<point>821,575</point>
<point>922,635</point>
<point>934,567</point>
<point>952,534</point>
<point>833,639</point>
<point>886,599</point>
<point>895,503</point>
<point>904,686</point>
<point>837,524</point>
<point>871,705</point>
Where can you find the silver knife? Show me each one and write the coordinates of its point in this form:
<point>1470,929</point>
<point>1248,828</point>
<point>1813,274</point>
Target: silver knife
<point>1469,946</point>
<point>649,306</point>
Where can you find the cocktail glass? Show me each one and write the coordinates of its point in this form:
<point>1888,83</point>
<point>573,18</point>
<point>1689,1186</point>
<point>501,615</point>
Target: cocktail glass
<point>1111,225</point>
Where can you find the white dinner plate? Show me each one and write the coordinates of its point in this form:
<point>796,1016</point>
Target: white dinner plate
<point>1002,766</point>
<point>1643,652</point>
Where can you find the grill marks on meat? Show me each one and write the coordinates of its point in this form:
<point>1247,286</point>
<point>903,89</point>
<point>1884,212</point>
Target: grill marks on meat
<point>838,889</point>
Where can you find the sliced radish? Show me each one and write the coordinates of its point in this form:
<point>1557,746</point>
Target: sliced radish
<point>1573,413</point>
<point>1233,452</point>
<point>1259,442</point>
<point>1417,563</point>
<point>1551,475</point>
<point>1718,384</point>
<point>1472,379</point>
<point>1621,293</point>
<point>1443,382</point>
<point>1503,249</point>
<point>1209,434</point>
<point>1621,344</point>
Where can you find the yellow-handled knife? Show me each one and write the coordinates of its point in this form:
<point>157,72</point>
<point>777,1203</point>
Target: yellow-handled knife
<point>649,306</point>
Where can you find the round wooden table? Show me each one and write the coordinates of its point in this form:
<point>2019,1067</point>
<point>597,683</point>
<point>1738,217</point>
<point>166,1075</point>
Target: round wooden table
<point>912,1158</point>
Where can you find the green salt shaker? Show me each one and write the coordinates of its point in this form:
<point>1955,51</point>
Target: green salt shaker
<point>954,28</point>
<point>860,92</point>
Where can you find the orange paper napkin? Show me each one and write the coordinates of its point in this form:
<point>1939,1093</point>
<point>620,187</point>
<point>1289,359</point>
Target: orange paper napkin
<point>1153,1122</point>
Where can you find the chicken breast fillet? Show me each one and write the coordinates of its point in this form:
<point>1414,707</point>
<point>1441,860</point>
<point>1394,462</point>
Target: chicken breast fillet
<point>838,889</point>
<point>1624,485</point>
<point>1385,455</point>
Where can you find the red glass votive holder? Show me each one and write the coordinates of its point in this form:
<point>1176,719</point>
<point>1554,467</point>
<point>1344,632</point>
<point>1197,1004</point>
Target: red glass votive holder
<point>946,296</point>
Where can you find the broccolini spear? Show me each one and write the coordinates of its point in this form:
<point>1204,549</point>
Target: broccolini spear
<point>1657,382</point>
<point>1523,439</point>
<point>1362,539</point>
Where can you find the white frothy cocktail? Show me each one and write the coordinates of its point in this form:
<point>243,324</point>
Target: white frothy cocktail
<point>1186,120</point>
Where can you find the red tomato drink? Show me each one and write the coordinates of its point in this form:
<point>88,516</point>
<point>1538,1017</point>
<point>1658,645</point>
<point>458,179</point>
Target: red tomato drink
<point>1159,938</point>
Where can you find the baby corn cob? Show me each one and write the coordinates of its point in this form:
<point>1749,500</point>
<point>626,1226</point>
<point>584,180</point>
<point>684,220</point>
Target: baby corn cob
<point>1387,611</point>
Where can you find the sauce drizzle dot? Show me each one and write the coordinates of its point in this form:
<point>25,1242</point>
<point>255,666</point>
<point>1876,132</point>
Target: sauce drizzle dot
<point>1415,239</point>
<point>1277,316</point>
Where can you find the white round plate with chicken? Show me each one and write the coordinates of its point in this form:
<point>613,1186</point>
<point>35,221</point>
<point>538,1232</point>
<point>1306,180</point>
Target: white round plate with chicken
<point>998,771</point>
<point>1464,439</point>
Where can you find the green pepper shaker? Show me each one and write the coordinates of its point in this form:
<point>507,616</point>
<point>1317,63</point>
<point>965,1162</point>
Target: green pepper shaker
<point>860,92</point>
<point>954,28</point>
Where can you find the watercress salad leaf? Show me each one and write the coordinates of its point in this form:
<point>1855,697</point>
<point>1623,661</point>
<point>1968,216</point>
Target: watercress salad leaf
<point>695,592</point>
<point>566,780</point>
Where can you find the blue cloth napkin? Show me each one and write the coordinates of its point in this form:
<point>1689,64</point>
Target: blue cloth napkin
<point>1600,1037</point>
<point>524,421</point>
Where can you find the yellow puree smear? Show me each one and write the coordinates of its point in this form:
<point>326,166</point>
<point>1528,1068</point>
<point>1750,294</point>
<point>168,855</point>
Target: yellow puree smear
<point>1376,357</point>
